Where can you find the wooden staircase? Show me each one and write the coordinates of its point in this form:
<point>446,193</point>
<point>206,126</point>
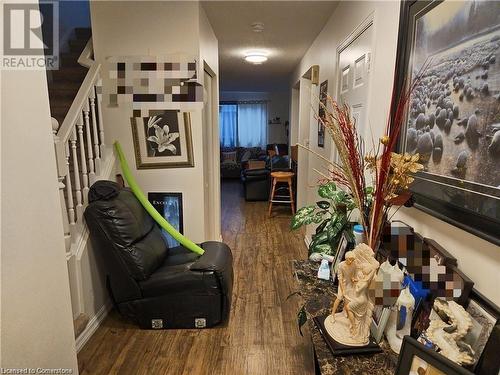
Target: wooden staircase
<point>64,83</point>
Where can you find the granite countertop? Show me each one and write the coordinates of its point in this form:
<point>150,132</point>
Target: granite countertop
<point>318,297</point>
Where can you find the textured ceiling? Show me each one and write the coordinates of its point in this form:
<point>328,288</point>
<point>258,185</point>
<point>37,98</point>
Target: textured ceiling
<point>290,27</point>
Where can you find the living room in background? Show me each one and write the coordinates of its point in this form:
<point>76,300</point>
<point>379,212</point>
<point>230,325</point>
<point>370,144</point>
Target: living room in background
<point>243,124</point>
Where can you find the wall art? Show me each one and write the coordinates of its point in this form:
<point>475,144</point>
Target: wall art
<point>453,119</point>
<point>170,206</point>
<point>323,92</point>
<point>149,81</point>
<point>162,139</point>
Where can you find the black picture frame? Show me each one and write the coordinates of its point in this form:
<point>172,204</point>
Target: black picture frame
<point>323,92</point>
<point>485,316</point>
<point>169,205</point>
<point>412,349</point>
<point>339,256</point>
<point>470,206</point>
<point>489,362</point>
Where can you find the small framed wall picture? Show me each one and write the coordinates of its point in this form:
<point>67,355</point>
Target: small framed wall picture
<point>169,205</point>
<point>323,93</point>
<point>416,359</point>
<point>163,140</point>
<point>339,256</point>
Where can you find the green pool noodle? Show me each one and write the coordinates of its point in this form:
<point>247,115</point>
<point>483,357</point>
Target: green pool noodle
<point>184,241</point>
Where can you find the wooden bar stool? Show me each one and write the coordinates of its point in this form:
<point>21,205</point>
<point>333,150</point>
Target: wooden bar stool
<point>278,177</point>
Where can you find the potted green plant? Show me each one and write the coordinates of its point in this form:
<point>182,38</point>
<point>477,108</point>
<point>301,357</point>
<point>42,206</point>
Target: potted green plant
<point>332,214</point>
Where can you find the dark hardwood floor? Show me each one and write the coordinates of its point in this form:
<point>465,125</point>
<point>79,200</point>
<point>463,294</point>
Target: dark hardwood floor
<point>261,336</point>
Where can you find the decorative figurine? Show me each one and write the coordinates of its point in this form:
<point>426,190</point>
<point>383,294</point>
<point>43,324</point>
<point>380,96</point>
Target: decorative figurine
<point>448,326</point>
<point>351,326</point>
<point>399,323</point>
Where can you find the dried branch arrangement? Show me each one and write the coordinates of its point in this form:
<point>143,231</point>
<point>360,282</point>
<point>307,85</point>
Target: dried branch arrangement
<point>391,172</point>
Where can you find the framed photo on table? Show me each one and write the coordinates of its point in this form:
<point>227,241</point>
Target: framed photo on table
<point>416,359</point>
<point>451,51</point>
<point>380,316</point>
<point>339,256</point>
<point>163,140</point>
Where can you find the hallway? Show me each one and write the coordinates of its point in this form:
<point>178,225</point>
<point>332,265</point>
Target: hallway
<point>262,336</point>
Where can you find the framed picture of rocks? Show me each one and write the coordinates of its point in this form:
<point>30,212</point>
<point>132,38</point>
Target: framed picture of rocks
<point>453,116</point>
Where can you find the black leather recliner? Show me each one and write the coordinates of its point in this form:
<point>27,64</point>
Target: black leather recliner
<point>156,286</point>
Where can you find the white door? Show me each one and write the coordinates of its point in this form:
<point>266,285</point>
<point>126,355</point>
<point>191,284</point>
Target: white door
<point>211,176</point>
<point>354,68</point>
<point>304,116</point>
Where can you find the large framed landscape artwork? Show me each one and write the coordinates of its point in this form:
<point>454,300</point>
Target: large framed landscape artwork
<point>453,117</point>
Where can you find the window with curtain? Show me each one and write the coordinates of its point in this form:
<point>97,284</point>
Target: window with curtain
<point>228,123</point>
<point>243,124</point>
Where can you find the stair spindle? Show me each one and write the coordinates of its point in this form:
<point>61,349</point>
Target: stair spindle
<point>69,193</point>
<point>95,136</point>
<point>64,214</point>
<point>98,89</point>
<point>81,143</point>
<point>90,151</point>
<point>76,176</point>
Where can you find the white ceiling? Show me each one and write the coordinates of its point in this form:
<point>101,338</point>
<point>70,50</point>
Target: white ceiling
<point>290,27</point>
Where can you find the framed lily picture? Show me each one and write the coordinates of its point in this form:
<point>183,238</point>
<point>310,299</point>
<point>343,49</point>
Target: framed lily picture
<point>163,140</point>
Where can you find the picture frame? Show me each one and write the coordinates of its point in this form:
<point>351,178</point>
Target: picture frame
<point>380,317</point>
<point>323,92</point>
<point>461,192</point>
<point>462,281</point>
<point>169,205</point>
<point>339,256</point>
<point>163,139</point>
<point>485,316</point>
<point>442,256</point>
<point>415,358</point>
<point>489,362</point>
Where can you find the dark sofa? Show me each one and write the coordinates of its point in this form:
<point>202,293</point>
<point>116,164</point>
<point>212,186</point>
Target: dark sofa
<point>232,168</point>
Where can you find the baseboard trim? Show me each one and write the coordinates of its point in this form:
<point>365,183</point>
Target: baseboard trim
<point>92,326</point>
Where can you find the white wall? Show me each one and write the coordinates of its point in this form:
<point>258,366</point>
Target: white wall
<point>278,105</point>
<point>209,55</point>
<point>477,258</point>
<point>139,28</point>
<point>37,329</point>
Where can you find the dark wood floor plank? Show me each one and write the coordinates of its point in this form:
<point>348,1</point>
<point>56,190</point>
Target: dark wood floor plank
<point>261,336</point>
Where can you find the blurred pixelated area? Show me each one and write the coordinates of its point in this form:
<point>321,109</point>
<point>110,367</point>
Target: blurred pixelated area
<point>430,266</point>
<point>143,82</point>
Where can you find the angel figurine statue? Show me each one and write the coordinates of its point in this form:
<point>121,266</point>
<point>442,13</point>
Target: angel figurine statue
<point>351,326</point>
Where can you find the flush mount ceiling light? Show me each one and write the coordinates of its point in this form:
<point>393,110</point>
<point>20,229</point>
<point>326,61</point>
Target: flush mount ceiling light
<point>257,27</point>
<point>256,57</point>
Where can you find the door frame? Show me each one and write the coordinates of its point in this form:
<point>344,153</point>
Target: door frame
<point>353,35</point>
<point>214,226</point>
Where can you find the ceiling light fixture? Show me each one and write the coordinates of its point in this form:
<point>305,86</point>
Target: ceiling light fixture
<point>256,57</point>
<point>257,27</point>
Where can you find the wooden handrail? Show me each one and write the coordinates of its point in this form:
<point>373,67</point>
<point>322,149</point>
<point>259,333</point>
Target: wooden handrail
<point>77,105</point>
<point>85,58</point>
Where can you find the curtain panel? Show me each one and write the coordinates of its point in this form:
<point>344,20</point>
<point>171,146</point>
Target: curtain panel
<point>243,124</point>
<point>228,122</point>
